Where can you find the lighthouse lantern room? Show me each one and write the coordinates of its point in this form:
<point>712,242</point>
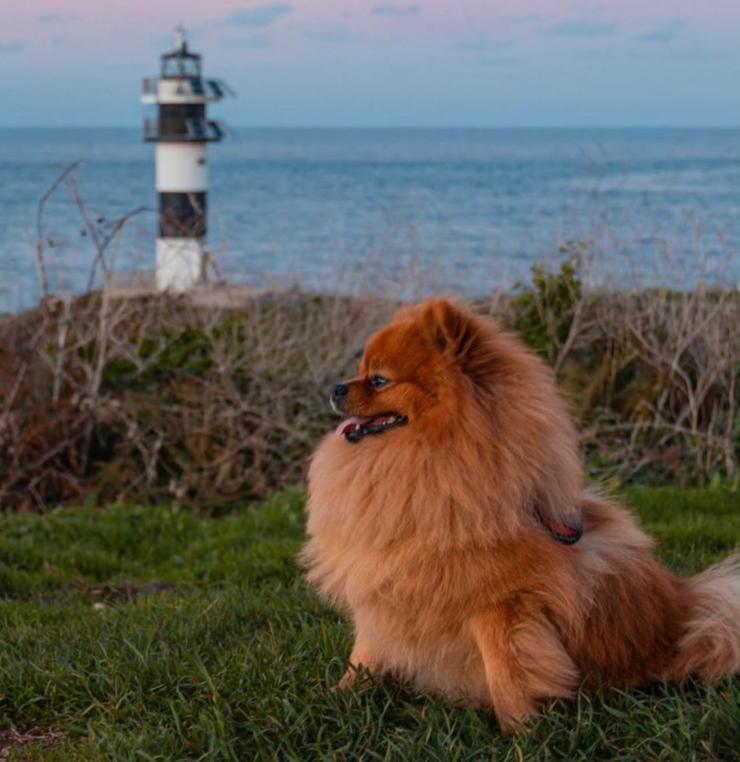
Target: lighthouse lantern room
<point>182,131</point>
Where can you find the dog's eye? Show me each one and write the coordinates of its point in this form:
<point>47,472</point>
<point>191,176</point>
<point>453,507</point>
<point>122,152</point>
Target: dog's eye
<point>378,382</point>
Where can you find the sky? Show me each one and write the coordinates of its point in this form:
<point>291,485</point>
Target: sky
<point>468,63</point>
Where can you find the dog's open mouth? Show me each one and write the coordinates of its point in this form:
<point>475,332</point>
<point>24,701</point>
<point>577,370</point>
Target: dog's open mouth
<point>355,429</point>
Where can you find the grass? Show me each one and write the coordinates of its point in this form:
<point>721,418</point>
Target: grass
<point>147,633</point>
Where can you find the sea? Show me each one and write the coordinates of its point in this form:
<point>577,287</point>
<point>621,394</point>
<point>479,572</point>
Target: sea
<point>404,211</point>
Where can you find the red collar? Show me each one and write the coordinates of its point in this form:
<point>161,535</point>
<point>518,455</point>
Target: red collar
<point>564,533</point>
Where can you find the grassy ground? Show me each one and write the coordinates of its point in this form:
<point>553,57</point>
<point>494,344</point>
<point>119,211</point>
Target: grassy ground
<point>145,633</point>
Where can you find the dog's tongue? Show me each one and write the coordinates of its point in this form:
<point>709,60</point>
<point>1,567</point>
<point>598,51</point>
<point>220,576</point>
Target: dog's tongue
<point>350,424</point>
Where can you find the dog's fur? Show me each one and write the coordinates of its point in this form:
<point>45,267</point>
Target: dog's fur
<point>432,536</point>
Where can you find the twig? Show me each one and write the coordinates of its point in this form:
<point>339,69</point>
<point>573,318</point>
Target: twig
<point>40,255</point>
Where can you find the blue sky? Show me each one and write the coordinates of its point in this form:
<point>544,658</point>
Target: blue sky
<point>376,63</point>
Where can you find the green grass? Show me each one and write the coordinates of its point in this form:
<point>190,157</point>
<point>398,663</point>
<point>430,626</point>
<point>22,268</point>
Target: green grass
<point>147,633</point>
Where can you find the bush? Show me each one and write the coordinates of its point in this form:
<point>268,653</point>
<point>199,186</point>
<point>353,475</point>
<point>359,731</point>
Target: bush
<point>653,375</point>
<point>149,398</point>
<point>154,399</point>
<point>544,312</point>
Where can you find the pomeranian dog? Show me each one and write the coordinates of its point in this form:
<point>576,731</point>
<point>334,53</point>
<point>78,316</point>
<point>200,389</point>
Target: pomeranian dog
<point>448,518</point>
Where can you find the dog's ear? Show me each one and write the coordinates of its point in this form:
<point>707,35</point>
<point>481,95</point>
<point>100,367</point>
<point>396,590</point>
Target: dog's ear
<point>404,312</point>
<point>453,329</point>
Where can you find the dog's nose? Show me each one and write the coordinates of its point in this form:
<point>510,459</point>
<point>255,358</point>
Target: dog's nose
<point>339,391</point>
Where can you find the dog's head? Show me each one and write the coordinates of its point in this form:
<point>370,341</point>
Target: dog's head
<point>440,377</point>
<point>414,372</point>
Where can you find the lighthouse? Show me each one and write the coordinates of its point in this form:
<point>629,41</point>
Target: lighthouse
<point>181,131</point>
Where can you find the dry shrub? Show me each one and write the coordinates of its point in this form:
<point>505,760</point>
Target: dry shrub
<point>653,375</point>
<point>671,384</point>
<point>154,399</point>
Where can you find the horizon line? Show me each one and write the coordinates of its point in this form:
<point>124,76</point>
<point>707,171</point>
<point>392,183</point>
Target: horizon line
<point>595,126</point>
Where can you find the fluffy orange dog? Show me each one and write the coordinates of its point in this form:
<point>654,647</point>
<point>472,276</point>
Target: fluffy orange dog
<point>449,518</point>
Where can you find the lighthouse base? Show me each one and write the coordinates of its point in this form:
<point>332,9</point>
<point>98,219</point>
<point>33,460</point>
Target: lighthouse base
<point>179,264</point>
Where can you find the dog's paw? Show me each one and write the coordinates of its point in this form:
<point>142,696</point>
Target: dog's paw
<point>513,725</point>
<point>514,716</point>
<point>349,678</point>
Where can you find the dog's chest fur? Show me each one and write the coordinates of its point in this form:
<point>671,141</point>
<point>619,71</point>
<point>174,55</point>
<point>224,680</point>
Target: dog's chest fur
<point>409,605</point>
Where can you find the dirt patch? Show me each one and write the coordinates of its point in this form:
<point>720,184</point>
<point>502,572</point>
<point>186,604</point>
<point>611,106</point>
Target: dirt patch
<point>16,742</point>
<point>105,596</point>
<point>112,595</point>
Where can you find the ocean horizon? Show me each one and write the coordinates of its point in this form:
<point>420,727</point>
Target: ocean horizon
<point>456,209</point>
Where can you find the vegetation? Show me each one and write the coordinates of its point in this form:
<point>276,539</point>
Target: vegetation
<point>653,375</point>
<point>154,399</point>
<point>153,633</point>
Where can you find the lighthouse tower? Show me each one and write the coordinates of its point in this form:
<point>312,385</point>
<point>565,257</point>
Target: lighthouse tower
<point>181,131</point>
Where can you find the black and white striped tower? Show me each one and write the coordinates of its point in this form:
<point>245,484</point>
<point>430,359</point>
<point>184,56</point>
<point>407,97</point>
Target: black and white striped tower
<point>182,132</point>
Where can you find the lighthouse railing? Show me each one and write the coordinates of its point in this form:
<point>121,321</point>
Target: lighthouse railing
<point>198,130</point>
<point>192,87</point>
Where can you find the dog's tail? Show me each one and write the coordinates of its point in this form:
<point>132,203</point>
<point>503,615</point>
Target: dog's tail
<point>709,647</point>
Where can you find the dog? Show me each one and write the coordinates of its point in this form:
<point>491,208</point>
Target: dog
<point>448,517</point>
